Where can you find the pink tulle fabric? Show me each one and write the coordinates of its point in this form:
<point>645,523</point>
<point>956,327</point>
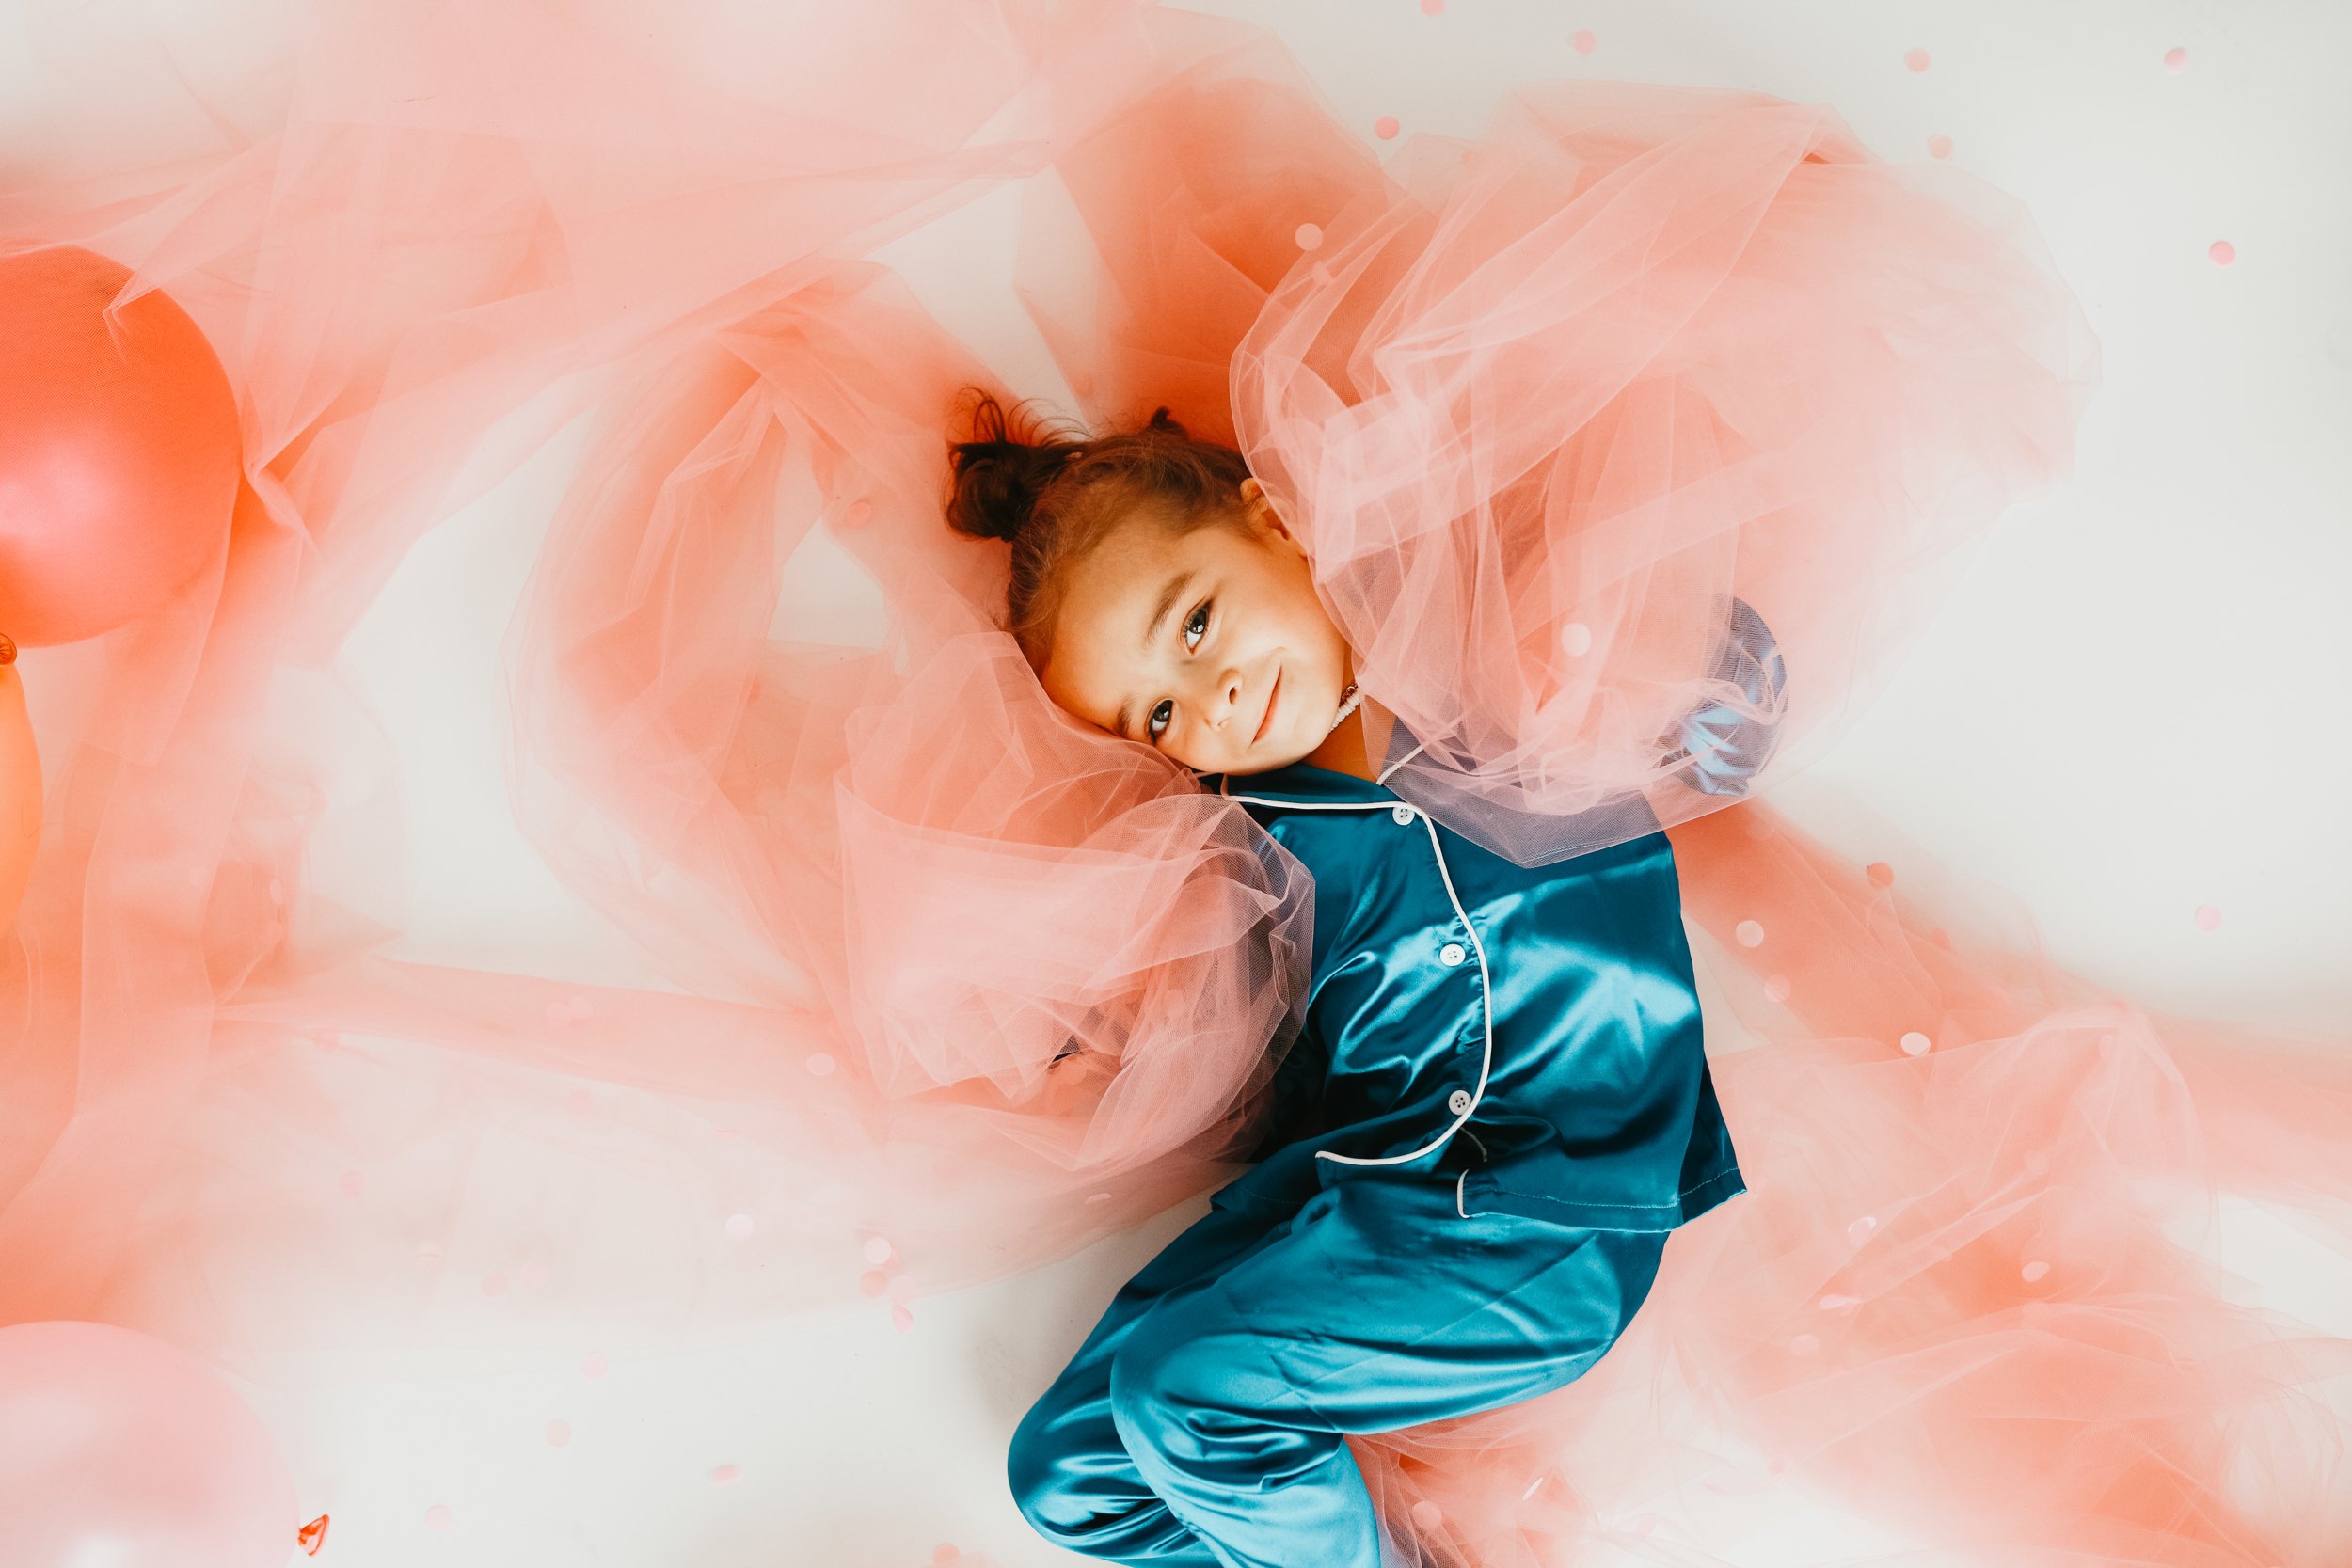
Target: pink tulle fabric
<point>956,984</point>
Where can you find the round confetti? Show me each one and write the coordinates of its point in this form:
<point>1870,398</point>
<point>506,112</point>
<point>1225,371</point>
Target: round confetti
<point>873,1282</point>
<point>900,1319</point>
<point>2223,252</point>
<point>2176,60</point>
<point>1427,1516</point>
<point>592,1364</point>
<point>818,1064</point>
<point>1385,127</point>
<point>493,1284</point>
<point>1915,1043</point>
<point>1860,1230</point>
<point>1836,1303</point>
<point>1583,42</point>
<point>1777,988</point>
<point>944,1553</point>
<point>726,1475</point>
<point>1750,933</point>
<point>878,1250</point>
<point>1309,236</point>
<point>739,1226</point>
<point>437,1517</point>
<point>353,1183</point>
<point>1939,145</point>
<point>1432,8</point>
<point>2208,917</point>
<point>1576,639</point>
<point>2034,1270</point>
<point>1937,936</point>
<point>1916,59</point>
<point>1880,873</point>
<point>1805,1344</point>
<point>559,1434</point>
<point>860,511</point>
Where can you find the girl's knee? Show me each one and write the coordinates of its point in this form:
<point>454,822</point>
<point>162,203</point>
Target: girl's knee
<point>1036,1469</point>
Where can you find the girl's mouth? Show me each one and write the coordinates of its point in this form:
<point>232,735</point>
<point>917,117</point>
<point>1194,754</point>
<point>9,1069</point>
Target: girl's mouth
<point>1267,717</point>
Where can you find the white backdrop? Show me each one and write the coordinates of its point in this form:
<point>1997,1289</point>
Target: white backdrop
<point>2196,565</point>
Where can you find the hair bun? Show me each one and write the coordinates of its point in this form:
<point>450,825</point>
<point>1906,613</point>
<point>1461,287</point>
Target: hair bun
<point>995,478</point>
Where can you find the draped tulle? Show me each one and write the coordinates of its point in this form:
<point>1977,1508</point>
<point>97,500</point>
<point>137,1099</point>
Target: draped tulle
<point>953,985</point>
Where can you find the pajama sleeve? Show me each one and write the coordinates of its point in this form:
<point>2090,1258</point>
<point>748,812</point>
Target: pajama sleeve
<point>1725,746</point>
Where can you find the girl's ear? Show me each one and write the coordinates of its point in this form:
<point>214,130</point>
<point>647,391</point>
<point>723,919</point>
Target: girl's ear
<point>1262,511</point>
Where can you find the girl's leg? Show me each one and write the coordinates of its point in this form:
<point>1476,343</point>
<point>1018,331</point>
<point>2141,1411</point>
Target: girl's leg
<point>1070,1471</point>
<point>1376,1306</point>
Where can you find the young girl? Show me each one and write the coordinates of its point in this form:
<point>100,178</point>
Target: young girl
<point>1499,1106</point>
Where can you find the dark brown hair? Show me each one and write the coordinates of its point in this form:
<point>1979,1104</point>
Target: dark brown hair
<point>1058,498</point>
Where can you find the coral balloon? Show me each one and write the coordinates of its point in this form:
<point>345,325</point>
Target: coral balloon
<point>119,1448</point>
<point>20,788</point>
<point>119,448</point>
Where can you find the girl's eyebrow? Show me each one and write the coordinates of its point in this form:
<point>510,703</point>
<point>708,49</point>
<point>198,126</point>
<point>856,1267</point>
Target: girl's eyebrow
<point>1160,608</point>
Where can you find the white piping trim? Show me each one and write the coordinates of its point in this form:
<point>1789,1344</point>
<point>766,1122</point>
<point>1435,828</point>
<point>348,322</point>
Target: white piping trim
<point>1485,990</point>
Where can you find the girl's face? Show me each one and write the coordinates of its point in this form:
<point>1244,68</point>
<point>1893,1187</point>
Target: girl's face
<point>1211,646</point>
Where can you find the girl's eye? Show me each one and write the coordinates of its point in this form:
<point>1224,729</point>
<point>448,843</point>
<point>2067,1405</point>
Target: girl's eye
<point>1200,616</point>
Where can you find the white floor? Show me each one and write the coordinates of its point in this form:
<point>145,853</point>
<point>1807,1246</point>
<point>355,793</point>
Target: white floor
<point>2083,726</point>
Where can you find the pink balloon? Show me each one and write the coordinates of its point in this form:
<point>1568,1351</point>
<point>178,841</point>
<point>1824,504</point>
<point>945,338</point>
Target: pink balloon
<point>118,449</point>
<point>121,1449</point>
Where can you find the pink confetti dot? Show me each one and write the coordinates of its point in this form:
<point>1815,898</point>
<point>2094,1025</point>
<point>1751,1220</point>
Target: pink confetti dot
<point>1749,932</point>
<point>859,513</point>
<point>2223,252</point>
<point>1915,1043</point>
<point>580,1101</point>
<point>531,1274</point>
<point>726,1475</point>
<point>353,1183</point>
<point>1777,988</point>
<point>818,1064</point>
<point>2208,918</point>
<point>1385,127</point>
<point>593,1364</point>
<point>1880,873</point>
<point>2034,1270</point>
<point>1940,938</point>
<point>873,1282</point>
<point>739,1226</point>
<point>1860,1230</point>
<point>1834,1303</point>
<point>1432,8</point>
<point>1576,639</point>
<point>878,1250</point>
<point>1427,1516</point>
<point>900,1319</point>
<point>1805,1344</point>
<point>437,1517</point>
<point>559,1434</point>
<point>1583,42</point>
<point>2176,60</point>
<point>944,1553</point>
<point>493,1284</point>
<point>1916,59</point>
<point>1939,145</point>
<point>1309,236</point>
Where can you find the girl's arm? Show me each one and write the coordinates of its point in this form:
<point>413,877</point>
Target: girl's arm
<point>1726,746</point>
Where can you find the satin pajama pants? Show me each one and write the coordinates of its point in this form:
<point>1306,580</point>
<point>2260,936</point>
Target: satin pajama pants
<point>1199,1424</point>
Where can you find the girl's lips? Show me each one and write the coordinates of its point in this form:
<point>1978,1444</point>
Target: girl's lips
<point>1267,717</point>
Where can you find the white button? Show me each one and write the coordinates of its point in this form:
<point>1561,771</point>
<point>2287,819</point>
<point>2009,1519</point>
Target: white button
<point>1404,815</point>
<point>1458,1101</point>
<point>1451,953</point>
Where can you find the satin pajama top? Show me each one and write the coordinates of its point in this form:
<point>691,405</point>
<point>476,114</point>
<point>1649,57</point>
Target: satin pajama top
<point>1533,1033</point>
